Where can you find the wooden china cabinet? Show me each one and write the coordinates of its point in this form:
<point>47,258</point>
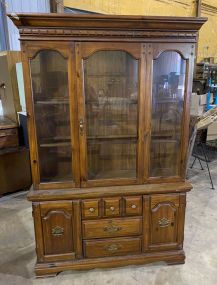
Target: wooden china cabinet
<point>108,112</point>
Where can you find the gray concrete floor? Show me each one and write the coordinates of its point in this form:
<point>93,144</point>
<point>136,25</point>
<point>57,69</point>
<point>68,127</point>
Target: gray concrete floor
<point>17,255</point>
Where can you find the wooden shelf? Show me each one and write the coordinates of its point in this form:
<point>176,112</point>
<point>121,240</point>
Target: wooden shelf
<point>165,141</point>
<point>107,75</point>
<point>57,144</point>
<point>52,102</point>
<point>112,137</point>
<point>111,174</point>
<point>130,101</point>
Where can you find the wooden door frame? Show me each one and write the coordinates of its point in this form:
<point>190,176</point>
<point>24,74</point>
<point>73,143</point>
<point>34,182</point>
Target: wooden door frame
<point>29,51</point>
<point>186,50</point>
<point>83,51</point>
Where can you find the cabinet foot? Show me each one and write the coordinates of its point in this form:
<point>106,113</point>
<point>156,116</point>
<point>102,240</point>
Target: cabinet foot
<point>175,262</point>
<point>48,275</point>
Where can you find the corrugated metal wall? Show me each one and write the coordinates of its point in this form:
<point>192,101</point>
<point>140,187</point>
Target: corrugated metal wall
<point>22,6</point>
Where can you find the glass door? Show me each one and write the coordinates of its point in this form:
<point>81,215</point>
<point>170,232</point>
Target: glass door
<point>110,122</point>
<point>168,91</point>
<point>53,108</point>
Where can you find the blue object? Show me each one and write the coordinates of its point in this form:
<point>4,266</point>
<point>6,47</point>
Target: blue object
<point>212,87</point>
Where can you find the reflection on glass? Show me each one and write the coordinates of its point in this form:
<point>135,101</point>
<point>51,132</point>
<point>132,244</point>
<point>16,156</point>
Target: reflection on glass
<point>167,107</point>
<point>111,94</point>
<point>51,105</point>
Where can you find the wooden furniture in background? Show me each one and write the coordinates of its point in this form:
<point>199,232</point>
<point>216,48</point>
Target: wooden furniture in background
<point>108,113</point>
<point>9,93</point>
<point>15,173</point>
<point>8,133</point>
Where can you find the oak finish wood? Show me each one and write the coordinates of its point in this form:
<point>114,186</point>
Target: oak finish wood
<point>87,222</point>
<point>112,247</point>
<point>112,228</point>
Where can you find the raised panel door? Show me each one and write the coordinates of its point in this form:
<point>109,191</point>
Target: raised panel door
<point>164,217</point>
<point>57,227</point>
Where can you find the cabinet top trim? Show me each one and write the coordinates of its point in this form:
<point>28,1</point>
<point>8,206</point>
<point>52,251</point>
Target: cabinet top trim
<point>82,193</point>
<point>113,22</point>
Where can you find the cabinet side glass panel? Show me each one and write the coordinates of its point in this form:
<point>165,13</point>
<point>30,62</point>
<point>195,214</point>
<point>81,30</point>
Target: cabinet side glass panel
<point>111,103</point>
<point>49,74</point>
<point>167,107</point>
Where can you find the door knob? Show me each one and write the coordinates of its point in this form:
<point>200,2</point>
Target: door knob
<point>81,127</point>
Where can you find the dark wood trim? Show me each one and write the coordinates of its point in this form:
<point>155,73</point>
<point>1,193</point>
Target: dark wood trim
<point>171,257</point>
<point>77,226</point>
<point>106,21</point>
<point>81,193</point>
<point>38,232</point>
<point>147,109</point>
<point>146,222</point>
<point>34,159</point>
<point>182,205</point>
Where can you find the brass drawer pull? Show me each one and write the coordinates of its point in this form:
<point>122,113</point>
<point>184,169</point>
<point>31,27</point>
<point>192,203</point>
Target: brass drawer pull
<point>91,210</point>
<point>112,208</point>
<point>113,247</point>
<point>164,222</point>
<point>57,231</point>
<point>112,229</point>
<point>133,206</point>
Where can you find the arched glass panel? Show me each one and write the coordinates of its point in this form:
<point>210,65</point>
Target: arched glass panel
<point>111,101</point>
<point>49,74</point>
<point>167,107</point>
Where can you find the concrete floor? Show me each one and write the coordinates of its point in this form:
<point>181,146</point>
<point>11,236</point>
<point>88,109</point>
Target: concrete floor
<point>17,255</point>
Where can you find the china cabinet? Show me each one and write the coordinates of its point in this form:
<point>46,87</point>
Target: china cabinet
<point>108,114</point>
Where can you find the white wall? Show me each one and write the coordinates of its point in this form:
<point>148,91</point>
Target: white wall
<point>23,6</point>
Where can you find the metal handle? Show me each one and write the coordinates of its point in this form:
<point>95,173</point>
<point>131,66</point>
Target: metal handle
<point>57,231</point>
<point>113,247</point>
<point>112,229</point>
<point>133,206</point>
<point>91,210</point>
<point>81,127</point>
<point>164,222</point>
<point>112,208</point>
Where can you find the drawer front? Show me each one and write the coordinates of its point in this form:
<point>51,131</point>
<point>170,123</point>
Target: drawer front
<point>111,247</point>
<point>90,209</point>
<point>112,228</point>
<point>133,206</point>
<point>112,207</point>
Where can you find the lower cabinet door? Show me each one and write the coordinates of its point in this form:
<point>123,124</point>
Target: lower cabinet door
<point>164,217</point>
<point>112,247</point>
<point>56,219</point>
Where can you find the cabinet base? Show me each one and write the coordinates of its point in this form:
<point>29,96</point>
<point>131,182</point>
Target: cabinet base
<point>52,269</point>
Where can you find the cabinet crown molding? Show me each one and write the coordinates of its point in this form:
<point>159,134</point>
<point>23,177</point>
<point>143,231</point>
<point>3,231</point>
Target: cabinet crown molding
<point>113,25</point>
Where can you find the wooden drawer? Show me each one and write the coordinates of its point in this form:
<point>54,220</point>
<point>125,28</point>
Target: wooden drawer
<point>132,206</point>
<point>112,207</point>
<point>90,209</point>
<point>111,247</point>
<point>112,228</point>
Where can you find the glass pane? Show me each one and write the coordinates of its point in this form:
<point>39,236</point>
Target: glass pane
<point>51,105</point>
<point>167,107</point>
<point>111,94</point>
